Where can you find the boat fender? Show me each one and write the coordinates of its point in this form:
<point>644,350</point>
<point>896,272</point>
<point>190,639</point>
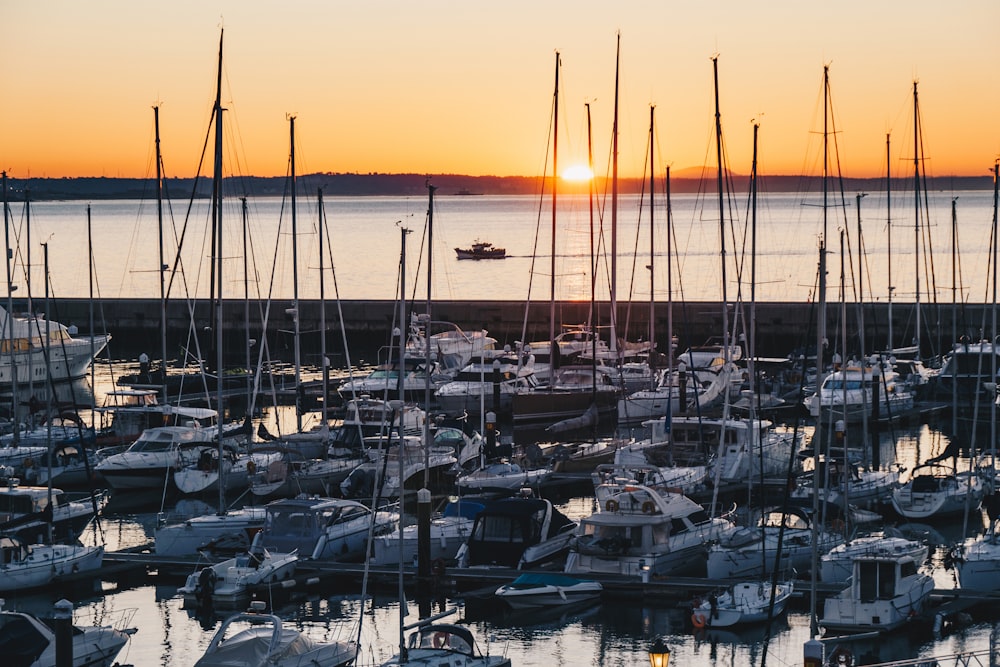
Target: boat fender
<point>611,505</point>
<point>648,507</point>
<point>698,620</point>
<point>251,467</point>
<point>206,583</point>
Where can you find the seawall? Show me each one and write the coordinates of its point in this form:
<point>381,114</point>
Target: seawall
<point>366,325</point>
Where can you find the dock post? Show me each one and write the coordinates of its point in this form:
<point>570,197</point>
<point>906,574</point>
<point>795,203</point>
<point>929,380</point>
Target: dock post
<point>423,533</point>
<point>64,633</point>
<point>812,653</point>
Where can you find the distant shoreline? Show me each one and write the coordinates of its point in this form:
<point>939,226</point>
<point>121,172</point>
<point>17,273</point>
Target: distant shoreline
<point>353,185</point>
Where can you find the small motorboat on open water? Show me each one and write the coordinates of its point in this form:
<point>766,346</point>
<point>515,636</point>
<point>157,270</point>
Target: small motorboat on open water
<point>481,250</point>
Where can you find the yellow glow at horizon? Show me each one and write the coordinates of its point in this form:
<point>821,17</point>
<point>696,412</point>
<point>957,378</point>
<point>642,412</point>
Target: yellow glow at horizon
<point>578,173</point>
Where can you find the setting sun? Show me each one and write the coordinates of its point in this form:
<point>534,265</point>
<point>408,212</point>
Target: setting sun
<point>577,172</point>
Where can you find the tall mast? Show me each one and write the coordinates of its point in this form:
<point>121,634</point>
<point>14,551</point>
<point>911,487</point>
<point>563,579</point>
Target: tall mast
<point>427,339</point>
<point>888,230</point>
<point>295,279</point>
<point>217,207</point>
<point>916,214</point>
<point>324,362</point>
<point>162,266</point>
<point>590,208</point>
<point>722,211</point>
<point>246,298</point>
<point>8,322</point>
<point>820,343</point>
<point>553,345</point>
<point>652,229</point>
<point>614,214</point>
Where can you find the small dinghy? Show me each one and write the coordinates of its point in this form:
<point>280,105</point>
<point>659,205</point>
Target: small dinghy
<point>543,590</point>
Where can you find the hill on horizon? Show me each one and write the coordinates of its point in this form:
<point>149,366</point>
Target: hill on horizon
<point>687,180</point>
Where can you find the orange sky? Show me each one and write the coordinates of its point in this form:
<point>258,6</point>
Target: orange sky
<point>450,87</point>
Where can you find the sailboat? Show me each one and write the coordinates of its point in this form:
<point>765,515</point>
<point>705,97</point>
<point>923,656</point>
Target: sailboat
<point>578,396</point>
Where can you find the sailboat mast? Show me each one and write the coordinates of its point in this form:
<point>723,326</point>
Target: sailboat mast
<point>614,215</point>
<point>553,344</point>
<point>670,291</point>
<point>820,346</point>
<point>295,278</point>
<point>916,215</point>
<point>888,231</point>
<point>8,322</point>
<point>324,362</point>
<point>593,257</point>
<point>246,298</point>
<point>427,338</point>
<point>217,207</point>
<point>652,229</point>
<point>162,265</point>
<point>722,211</point>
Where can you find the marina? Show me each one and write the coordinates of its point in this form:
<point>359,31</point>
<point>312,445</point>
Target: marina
<point>658,554</point>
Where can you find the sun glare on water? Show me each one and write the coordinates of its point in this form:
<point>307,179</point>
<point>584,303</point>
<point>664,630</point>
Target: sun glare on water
<point>577,172</point>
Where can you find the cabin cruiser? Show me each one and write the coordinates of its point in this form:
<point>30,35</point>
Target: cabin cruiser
<point>848,394</point>
<point>321,528</point>
<point>520,532</point>
<point>150,461</point>
<point>969,368</point>
<point>43,351</point>
<point>750,449</point>
<point>639,531</point>
<point>884,592</point>
<point>29,511</point>
<point>837,565</point>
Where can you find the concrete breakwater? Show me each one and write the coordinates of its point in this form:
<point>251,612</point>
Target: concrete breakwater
<point>135,324</point>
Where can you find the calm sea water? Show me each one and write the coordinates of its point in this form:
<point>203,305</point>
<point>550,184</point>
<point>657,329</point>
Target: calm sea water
<point>362,244</point>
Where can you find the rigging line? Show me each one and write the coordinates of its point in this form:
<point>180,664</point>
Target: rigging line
<point>541,207</point>
<point>46,349</point>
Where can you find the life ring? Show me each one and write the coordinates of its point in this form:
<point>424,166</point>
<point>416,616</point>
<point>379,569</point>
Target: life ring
<point>251,467</point>
<point>698,620</point>
<point>611,505</point>
<point>440,639</point>
<point>648,507</point>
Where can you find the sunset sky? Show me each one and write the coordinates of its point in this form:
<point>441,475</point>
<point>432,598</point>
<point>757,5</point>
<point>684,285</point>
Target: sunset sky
<point>466,87</point>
